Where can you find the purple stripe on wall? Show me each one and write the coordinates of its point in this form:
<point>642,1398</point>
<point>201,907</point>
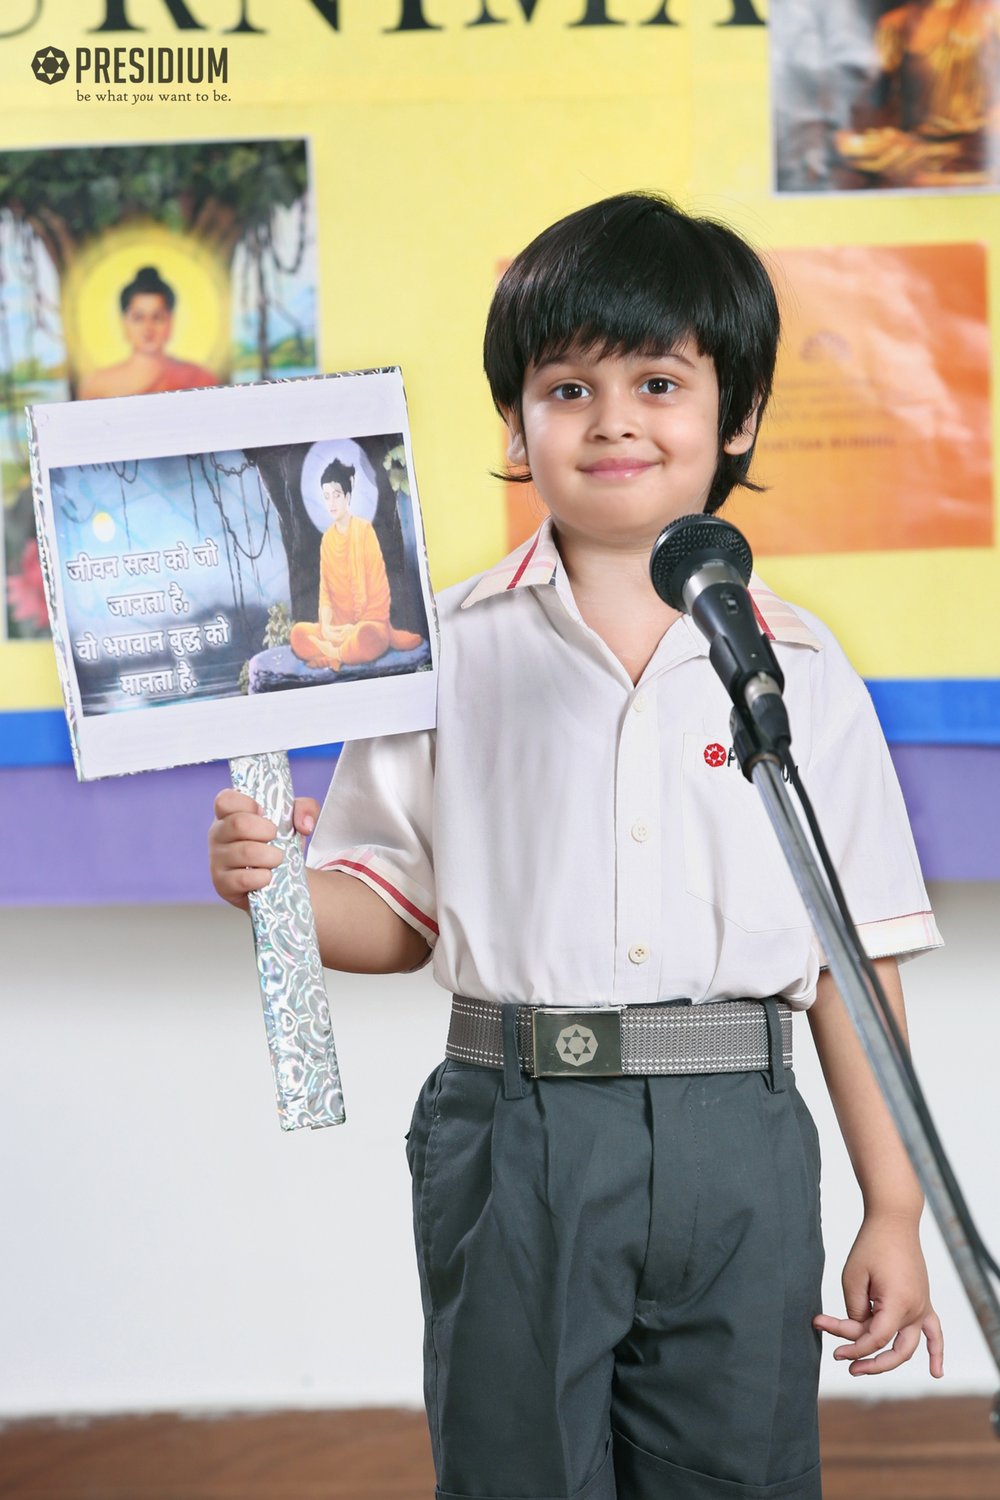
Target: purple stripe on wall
<point>953,797</point>
<point>141,839</point>
<point>131,839</point>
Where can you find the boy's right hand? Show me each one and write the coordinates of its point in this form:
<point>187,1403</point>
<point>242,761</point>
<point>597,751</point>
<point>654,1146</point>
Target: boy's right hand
<point>241,855</point>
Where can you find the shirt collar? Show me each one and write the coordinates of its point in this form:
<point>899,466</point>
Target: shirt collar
<point>777,619</point>
<point>536,562</point>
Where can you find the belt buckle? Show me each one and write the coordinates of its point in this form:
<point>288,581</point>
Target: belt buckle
<point>577,1043</point>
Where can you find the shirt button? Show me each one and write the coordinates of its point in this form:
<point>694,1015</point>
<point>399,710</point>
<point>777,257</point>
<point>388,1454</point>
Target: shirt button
<point>639,703</point>
<point>638,953</point>
<point>640,832</point>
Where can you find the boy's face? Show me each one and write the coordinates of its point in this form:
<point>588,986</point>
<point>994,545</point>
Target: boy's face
<point>619,445</point>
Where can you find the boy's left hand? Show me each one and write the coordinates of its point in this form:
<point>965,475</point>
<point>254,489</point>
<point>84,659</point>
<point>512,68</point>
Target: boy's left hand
<point>887,1299</point>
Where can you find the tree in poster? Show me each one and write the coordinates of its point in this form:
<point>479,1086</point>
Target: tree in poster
<point>250,504</point>
<point>57,205</point>
<point>280,470</point>
<point>225,194</point>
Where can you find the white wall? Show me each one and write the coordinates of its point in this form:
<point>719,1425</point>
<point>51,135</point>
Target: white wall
<point>166,1245</point>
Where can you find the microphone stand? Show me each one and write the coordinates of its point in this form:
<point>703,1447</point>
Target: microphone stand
<point>760,761</point>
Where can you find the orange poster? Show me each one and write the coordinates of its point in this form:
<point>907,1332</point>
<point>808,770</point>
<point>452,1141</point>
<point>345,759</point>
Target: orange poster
<point>878,437</point>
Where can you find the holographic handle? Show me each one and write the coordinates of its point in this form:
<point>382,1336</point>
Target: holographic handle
<point>296,1009</point>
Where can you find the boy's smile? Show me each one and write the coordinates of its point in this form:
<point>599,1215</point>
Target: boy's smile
<point>619,445</point>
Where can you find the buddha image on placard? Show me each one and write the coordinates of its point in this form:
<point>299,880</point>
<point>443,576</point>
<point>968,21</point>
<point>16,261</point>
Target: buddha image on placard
<point>209,575</point>
<point>358,608</point>
<point>355,601</point>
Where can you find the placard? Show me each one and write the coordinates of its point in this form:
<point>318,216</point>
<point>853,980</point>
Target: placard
<point>234,570</point>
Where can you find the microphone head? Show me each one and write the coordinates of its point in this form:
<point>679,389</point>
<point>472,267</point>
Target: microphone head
<point>688,543</point>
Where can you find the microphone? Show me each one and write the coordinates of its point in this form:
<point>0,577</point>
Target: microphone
<point>701,565</point>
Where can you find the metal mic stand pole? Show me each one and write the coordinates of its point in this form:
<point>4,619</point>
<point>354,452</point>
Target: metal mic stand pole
<point>766,776</point>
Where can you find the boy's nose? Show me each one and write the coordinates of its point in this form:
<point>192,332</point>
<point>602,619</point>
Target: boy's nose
<point>613,418</point>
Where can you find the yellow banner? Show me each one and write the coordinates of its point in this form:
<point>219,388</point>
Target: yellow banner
<point>440,136</point>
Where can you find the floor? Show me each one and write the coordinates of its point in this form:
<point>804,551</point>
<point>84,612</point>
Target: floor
<point>937,1449</point>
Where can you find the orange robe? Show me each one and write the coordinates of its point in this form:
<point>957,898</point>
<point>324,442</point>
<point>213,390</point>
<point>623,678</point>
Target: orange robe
<point>118,380</point>
<point>182,376</point>
<point>354,603</point>
<point>949,55</point>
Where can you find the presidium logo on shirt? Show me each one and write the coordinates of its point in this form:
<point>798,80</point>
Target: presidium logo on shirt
<point>718,755</point>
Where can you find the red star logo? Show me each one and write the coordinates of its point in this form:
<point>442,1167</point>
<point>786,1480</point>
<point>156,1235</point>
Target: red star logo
<point>715,755</point>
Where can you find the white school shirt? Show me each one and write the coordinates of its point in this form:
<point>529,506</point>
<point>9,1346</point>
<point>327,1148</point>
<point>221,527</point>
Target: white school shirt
<point>568,838</point>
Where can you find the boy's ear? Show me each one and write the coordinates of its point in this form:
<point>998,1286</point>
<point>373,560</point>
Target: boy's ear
<point>517,452</point>
<point>743,441</point>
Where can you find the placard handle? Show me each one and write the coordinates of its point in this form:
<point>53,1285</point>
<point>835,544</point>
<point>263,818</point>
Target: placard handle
<point>296,1008</point>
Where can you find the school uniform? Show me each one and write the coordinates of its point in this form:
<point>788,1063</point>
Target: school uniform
<point>619,1274</point>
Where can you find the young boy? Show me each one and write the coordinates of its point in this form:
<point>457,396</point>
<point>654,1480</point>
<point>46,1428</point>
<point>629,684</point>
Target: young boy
<point>621,1274</point>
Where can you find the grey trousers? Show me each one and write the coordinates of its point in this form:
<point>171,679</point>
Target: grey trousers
<point>618,1278</point>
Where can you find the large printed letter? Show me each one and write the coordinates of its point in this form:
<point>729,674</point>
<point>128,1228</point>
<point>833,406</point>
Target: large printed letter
<point>329,10</point>
<point>743,15</point>
<point>596,14</point>
<point>486,17</point>
<point>115,18</point>
<point>19,30</point>
<point>413,18</point>
<point>244,25</point>
<point>662,17</point>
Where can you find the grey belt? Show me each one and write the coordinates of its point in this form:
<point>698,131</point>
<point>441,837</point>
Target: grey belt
<point>725,1036</point>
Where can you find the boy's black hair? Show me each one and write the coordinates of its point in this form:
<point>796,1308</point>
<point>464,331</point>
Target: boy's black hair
<point>338,473</point>
<point>633,274</point>
<point>148,279</point>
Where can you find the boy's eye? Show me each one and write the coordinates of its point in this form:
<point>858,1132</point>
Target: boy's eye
<point>659,385</point>
<point>570,390</point>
